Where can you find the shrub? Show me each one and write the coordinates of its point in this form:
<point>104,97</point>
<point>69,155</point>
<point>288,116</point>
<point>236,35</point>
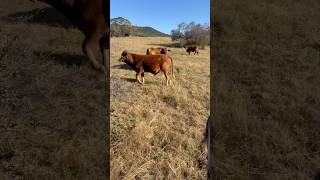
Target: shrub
<point>192,33</point>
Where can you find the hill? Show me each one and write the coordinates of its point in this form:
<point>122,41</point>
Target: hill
<point>141,31</point>
<point>147,32</point>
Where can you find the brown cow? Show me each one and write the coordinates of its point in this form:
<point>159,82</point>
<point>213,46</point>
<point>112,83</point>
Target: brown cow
<point>192,48</point>
<point>155,51</point>
<point>90,16</point>
<point>148,63</point>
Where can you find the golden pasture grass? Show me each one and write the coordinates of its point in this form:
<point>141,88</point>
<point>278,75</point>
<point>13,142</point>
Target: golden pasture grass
<point>266,90</point>
<point>156,130</point>
<point>52,103</point>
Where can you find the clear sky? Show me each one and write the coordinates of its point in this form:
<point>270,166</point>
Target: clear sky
<point>163,15</point>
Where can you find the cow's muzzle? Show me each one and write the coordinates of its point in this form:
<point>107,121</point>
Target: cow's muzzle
<point>122,59</point>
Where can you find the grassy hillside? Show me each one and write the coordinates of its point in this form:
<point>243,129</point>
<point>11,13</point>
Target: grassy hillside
<point>266,89</point>
<point>147,32</point>
<point>156,131</point>
<point>52,103</point>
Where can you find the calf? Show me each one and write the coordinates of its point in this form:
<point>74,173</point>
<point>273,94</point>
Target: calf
<point>192,48</point>
<point>148,63</point>
<point>155,51</point>
<point>90,16</point>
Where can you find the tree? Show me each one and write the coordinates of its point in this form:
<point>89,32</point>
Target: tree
<point>120,26</point>
<point>176,35</point>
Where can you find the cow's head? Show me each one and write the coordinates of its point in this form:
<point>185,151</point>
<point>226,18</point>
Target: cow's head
<point>124,56</point>
<point>164,50</point>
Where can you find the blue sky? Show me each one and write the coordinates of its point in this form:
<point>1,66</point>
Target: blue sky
<point>163,15</point>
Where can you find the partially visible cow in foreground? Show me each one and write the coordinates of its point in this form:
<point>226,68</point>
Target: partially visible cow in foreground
<point>148,63</point>
<point>155,51</point>
<point>207,140</point>
<point>90,16</point>
<point>192,48</point>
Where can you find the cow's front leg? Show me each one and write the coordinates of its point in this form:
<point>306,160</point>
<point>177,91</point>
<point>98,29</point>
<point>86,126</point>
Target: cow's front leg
<point>88,46</point>
<point>138,77</point>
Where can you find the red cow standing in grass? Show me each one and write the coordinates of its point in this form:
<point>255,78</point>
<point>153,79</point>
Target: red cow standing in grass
<point>148,63</point>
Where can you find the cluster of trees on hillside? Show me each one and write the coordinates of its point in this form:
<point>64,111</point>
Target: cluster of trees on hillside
<point>120,27</point>
<point>191,33</point>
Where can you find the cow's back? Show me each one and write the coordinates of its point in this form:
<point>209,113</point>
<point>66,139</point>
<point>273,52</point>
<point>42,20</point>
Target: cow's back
<point>151,63</point>
<point>153,51</point>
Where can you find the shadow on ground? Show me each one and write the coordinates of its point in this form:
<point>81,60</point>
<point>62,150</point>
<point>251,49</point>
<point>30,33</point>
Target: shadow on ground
<point>43,16</point>
<point>122,66</point>
<point>64,58</point>
<point>131,80</point>
<point>172,45</point>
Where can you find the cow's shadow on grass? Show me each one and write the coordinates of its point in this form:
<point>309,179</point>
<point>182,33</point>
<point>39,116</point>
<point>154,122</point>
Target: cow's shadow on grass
<point>134,80</point>
<point>130,80</point>
<point>170,45</point>
<point>63,58</point>
<point>44,16</point>
<point>122,66</point>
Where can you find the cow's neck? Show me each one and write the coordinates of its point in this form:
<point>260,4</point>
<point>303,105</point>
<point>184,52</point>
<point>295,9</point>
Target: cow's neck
<point>130,60</point>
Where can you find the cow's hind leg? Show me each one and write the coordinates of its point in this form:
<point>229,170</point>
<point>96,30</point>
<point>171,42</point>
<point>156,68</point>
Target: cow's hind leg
<point>87,47</point>
<point>167,77</point>
<point>142,75</point>
<point>105,50</point>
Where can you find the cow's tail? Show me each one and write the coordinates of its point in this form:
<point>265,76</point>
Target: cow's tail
<point>172,68</point>
<point>147,51</point>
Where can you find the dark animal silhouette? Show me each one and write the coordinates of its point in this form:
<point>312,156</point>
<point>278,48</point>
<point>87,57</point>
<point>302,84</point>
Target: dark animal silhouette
<point>90,17</point>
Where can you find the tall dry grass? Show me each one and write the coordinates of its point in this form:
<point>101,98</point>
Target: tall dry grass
<point>52,103</point>
<point>266,89</point>
<point>156,130</point>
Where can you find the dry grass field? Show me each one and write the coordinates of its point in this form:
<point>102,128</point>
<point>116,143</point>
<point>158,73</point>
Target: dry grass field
<point>266,89</point>
<point>53,113</point>
<point>156,130</point>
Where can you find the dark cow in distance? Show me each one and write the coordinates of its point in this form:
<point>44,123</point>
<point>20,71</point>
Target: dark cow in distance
<point>192,48</point>
<point>148,63</point>
<point>155,51</point>
<point>90,17</point>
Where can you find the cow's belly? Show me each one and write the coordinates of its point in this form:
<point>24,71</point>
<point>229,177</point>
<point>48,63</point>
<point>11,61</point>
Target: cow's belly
<point>153,70</point>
